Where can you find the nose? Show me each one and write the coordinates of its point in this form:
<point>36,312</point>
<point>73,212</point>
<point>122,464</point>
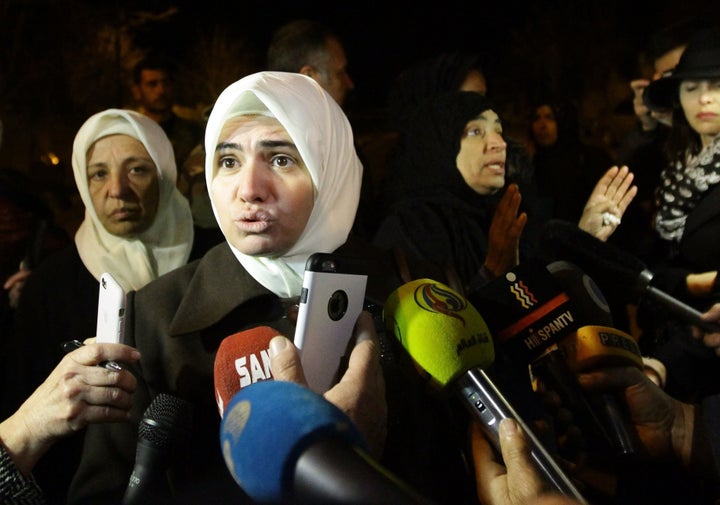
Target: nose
<point>496,142</point>
<point>705,95</point>
<point>349,84</point>
<point>253,182</point>
<point>119,185</point>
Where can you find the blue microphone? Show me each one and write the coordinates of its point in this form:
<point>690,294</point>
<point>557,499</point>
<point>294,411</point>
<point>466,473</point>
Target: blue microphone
<point>284,443</point>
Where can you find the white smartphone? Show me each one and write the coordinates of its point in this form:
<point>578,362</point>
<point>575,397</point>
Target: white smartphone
<point>111,310</point>
<point>332,297</point>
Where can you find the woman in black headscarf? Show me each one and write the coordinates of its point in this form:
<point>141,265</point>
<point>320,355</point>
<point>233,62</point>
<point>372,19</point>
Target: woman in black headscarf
<point>457,193</point>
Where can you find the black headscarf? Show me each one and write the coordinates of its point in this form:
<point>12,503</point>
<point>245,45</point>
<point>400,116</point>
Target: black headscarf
<point>425,162</point>
<point>439,74</point>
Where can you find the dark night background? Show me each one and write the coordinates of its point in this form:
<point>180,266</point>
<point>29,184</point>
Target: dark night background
<point>61,61</point>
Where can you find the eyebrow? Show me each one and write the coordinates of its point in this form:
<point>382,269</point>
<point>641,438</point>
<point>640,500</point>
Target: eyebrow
<point>263,143</point>
<point>131,159</point>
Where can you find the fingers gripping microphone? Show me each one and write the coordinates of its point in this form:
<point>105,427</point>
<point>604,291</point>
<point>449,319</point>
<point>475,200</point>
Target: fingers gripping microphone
<point>533,309</point>
<point>621,274</point>
<point>284,443</point>
<point>242,359</point>
<point>450,341</point>
<point>166,421</point>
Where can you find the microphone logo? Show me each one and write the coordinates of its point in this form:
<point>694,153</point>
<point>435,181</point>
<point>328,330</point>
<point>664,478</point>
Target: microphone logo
<point>521,291</point>
<point>432,297</point>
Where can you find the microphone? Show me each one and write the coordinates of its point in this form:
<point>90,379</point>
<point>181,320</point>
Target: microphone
<point>450,341</point>
<point>592,346</point>
<point>166,421</point>
<point>533,309</point>
<point>601,260</point>
<point>318,454</point>
<point>241,359</point>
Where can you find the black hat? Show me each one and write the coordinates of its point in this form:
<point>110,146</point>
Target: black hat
<point>700,60</point>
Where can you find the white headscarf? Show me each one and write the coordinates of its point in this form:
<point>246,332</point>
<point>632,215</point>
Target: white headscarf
<point>324,138</point>
<point>166,244</point>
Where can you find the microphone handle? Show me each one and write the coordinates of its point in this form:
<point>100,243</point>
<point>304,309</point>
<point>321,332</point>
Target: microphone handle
<point>601,414</point>
<point>682,310</point>
<point>489,406</point>
<point>332,471</point>
<point>148,483</point>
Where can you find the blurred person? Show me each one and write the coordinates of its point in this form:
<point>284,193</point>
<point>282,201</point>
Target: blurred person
<point>565,168</point>
<point>152,89</point>
<point>311,48</point>
<point>76,393</point>
<point>687,216</point>
<point>28,233</point>
<point>642,148</point>
<point>441,73</point>
<point>137,226</point>
<point>284,182</point>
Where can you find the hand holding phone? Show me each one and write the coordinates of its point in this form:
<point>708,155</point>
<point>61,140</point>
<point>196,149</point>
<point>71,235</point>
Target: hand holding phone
<point>331,300</point>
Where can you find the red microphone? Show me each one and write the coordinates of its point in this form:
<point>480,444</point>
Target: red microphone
<point>242,359</point>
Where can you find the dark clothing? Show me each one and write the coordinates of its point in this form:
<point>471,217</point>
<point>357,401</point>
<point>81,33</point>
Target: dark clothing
<point>642,151</point>
<point>59,302</point>
<point>693,369</point>
<point>566,173</point>
<point>430,211</point>
<point>178,321</point>
<point>184,135</point>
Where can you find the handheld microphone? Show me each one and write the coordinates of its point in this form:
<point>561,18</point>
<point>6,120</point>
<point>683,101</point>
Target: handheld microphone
<point>318,455</point>
<point>241,359</point>
<point>166,420</point>
<point>533,309</point>
<point>624,274</point>
<point>451,342</point>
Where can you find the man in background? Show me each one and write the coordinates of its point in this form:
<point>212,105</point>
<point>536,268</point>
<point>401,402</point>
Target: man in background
<point>152,89</point>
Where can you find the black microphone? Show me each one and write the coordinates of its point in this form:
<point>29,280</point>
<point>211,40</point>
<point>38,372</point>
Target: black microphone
<point>284,443</point>
<point>619,272</point>
<point>531,310</point>
<point>166,421</point>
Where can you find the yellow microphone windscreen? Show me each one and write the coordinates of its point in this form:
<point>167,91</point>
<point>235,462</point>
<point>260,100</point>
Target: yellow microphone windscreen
<point>443,333</point>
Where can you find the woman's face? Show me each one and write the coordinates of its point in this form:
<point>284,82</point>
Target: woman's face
<point>481,159</point>
<point>700,100</point>
<point>261,189</point>
<point>123,183</point>
<point>544,126</point>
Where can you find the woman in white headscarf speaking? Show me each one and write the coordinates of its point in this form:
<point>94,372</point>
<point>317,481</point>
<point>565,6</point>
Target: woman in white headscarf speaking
<point>284,182</point>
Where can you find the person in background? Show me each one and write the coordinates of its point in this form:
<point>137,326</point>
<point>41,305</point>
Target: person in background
<point>310,47</point>
<point>76,393</point>
<point>565,168</point>
<point>643,146</point>
<point>137,226</point>
<point>687,216</point>
<point>284,181</point>
<point>153,81</point>
<point>449,176</point>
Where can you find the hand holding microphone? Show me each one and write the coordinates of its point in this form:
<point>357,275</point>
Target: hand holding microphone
<point>313,451</point>
<point>261,353</point>
<point>449,340</point>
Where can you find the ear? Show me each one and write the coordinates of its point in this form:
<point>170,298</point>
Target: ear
<point>308,70</point>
